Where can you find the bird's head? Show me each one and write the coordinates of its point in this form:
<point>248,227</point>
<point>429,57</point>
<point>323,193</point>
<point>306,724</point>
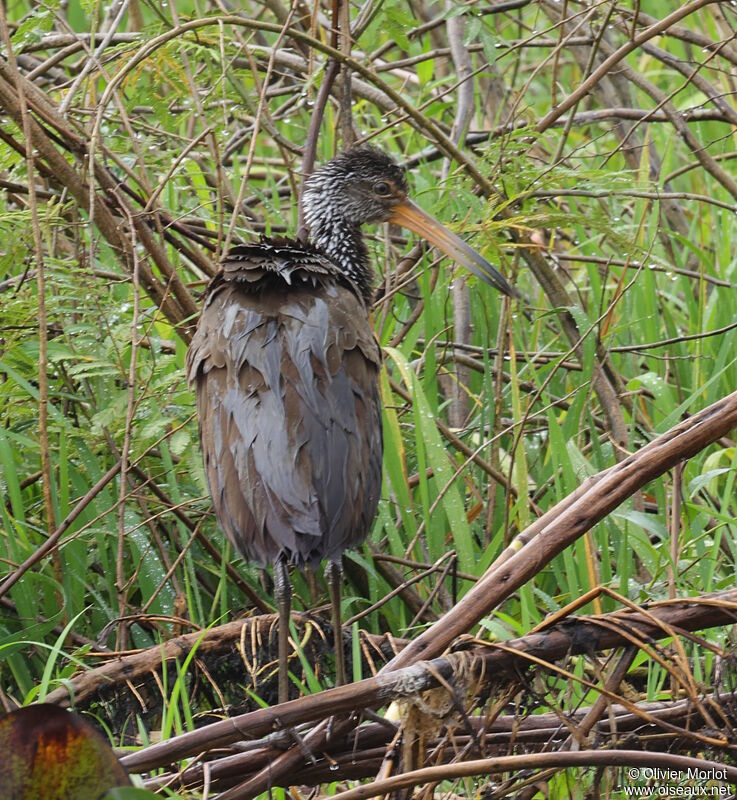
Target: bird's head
<point>364,185</point>
<point>361,185</point>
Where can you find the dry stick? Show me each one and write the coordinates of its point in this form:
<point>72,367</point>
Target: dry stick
<point>205,541</point>
<point>161,185</point>
<point>422,122</point>
<point>708,162</point>
<point>441,52</point>
<point>558,157</point>
<point>146,481</point>
<point>185,305</point>
<point>223,188</point>
<point>318,112</point>
<point>632,628</point>
<point>690,72</point>
<point>65,174</point>
<point>308,159</point>
<point>121,641</point>
<point>43,107</point>
<point>558,642</point>
<point>359,756</point>
<point>688,273</point>
<point>400,586</point>
<point>94,59</point>
<point>134,666</point>
<point>615,91</point>
<point>170,572</point>
<point>412,564</point>
<point>604,378</point>
<point>460,445</point>
<point>346,90</point>
<point>582,758</point>
<point>605,67</point>
<point>501,377</point>
<point>697,38</point>
<point>580,732</point>
<point>494,443</point>
<point>43,332</point>
<point>664,103</point>
<point>260,114</point>
<point>455,385</point>
<point>674,528</point>
<point>606,382</point>
<point>346,765</point>
<point>287,762</point>
<point>101,213</point>
<point>567,27</point>
<point>653,195</point>
<point>567,521</point>
<point>51,542</point>
<point>377,97</point>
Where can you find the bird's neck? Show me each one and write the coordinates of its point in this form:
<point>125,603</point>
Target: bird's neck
<point>342,242</point>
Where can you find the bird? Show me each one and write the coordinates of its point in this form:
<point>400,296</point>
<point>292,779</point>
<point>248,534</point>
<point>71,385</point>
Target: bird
<point>285,367</point>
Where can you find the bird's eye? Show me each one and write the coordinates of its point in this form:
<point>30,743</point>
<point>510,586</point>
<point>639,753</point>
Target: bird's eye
<point>382,188</point>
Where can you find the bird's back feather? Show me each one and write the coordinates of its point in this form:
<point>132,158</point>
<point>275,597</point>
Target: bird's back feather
<point>285,366</point>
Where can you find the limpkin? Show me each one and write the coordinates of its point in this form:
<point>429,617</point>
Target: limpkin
<point>285,366</point>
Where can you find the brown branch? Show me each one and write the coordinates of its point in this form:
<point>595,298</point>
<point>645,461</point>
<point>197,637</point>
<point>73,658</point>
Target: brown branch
<point>11,83</point>
<point>606,66</point>
<point>582,758</point>
<point>43,328</point>
<point>491,663</point>
<point>358,755</point>
<point>568,520</point>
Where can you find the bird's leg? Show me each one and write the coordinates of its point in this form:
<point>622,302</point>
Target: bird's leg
<point>283,595</point>
<point>334,576</point>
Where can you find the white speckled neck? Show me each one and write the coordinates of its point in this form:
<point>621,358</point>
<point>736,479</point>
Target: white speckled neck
<point>338,238</point>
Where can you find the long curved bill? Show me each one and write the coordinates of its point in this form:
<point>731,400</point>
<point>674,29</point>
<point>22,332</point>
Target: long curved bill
<point>409,215</point>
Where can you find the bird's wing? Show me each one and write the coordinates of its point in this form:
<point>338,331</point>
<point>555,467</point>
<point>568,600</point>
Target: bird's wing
<point>272,263</point>
<point>290,418</point>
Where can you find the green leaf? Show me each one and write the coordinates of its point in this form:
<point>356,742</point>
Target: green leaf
<point>452,500</point>
<point>131,793</point>
<point>397,21</point>
<point>33,28</point>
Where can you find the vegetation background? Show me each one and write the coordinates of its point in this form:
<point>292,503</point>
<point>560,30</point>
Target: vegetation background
<point>587,148</point>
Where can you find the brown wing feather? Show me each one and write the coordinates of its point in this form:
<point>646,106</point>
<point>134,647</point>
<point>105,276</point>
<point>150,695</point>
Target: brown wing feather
<point>286,378</point>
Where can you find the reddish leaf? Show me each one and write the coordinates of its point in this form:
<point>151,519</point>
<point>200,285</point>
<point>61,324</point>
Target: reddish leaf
<point>52,754</point>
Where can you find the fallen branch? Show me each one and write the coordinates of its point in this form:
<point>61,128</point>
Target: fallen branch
<point>359,755</point>
<point>567,521</point>
<point>491,662</point>
<point>251,637</point>
<point>582,758</point>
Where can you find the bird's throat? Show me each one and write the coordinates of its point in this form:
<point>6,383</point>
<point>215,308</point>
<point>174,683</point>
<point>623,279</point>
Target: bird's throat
<point>342,242</point>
